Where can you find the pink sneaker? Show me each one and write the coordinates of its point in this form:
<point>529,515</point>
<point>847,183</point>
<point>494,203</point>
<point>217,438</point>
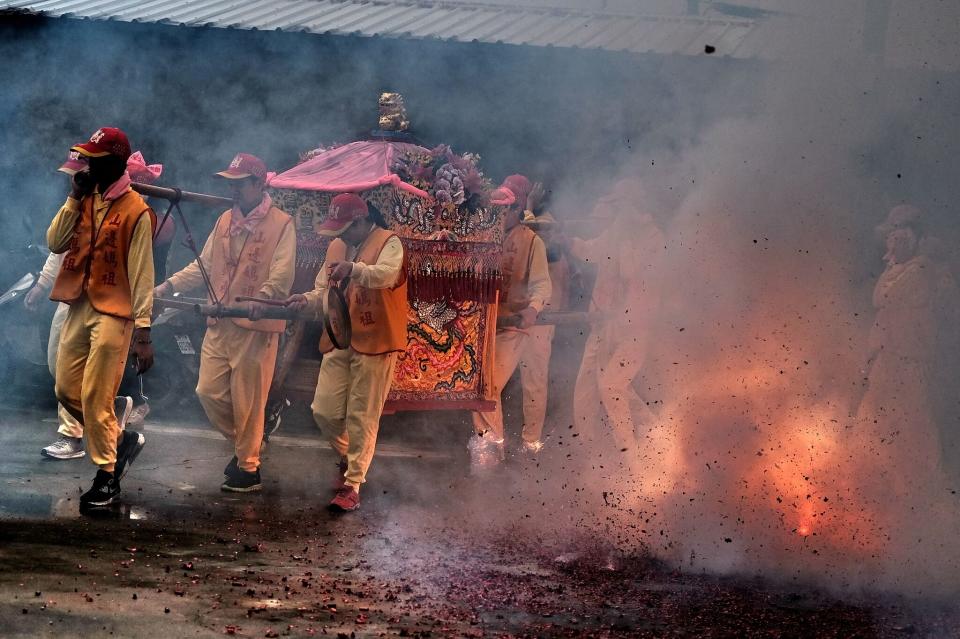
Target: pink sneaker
<point>347,499</point>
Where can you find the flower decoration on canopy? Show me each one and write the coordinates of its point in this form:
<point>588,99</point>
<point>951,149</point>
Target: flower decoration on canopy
<point>448,189</point>
<point>454,181</point>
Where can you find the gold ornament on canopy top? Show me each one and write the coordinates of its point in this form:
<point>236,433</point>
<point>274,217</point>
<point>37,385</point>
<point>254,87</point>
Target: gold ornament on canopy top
<point>393,113</point>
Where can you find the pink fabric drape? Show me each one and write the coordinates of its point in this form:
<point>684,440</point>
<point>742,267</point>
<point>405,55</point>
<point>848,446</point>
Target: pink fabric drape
<point>359,166</point>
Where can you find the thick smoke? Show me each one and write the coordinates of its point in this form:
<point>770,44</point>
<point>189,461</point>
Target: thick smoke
<point>758,460</point>
<point>767,180</point>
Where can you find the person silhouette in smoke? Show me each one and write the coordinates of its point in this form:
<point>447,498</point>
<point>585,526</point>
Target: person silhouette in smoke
<point>527,289</point>
<point>249,253</point>
<point>898,410</point>
<point>945,387</point>
<point>105,229</point>
<point>626,296</point>
<point>366,261</point>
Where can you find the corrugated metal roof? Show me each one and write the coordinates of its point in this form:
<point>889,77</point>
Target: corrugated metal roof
<point>684,35</point>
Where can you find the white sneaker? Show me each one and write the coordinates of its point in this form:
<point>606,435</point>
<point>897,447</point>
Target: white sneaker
<point>531,448</point>
<point>65,448</point>
<point>485,453</point>
<point>122,407</point>
<point>138,415</point>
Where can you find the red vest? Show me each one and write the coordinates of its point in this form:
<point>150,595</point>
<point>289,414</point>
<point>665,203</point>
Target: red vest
<point>96,259</point>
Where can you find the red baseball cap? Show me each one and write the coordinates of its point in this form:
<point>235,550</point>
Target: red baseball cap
<point>75,163</point>
<point>106,141</point>
<point>344,209</point>
<point>520,186</point>
<point>245,165</point>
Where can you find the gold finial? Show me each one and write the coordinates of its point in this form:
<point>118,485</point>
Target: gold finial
<point>393,114</point>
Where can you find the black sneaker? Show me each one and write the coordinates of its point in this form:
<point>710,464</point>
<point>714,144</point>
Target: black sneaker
<point>242,482</point>
<point>105,490</point>
<point>273,416</point>
<point>232,468</point>
<point>131,443</point>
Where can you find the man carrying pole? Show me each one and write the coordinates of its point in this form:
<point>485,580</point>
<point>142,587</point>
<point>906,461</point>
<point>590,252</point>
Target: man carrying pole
<point>250,253</point>
<point>106,277</point>
<point>534,363</point>
<point>527,289</point>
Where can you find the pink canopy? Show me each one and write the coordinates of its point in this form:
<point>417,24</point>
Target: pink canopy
<point>354,167</point>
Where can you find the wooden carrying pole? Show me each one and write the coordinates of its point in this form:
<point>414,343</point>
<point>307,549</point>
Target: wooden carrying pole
<point>552,318</point>
<point>203,307</point>
<point>184,196</point>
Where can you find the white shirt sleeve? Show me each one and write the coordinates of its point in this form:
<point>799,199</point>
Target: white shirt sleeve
<point>385,272</point>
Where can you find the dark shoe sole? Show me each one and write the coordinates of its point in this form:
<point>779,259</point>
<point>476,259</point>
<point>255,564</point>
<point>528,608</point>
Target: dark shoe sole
<point>84,505</point>
<point>141,440</point>
<point>240,489</point>
<point>338,510</point>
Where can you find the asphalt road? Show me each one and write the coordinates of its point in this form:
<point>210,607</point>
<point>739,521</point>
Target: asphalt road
<point>432,552</point>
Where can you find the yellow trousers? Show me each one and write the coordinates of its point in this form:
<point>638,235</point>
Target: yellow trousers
<point>236,368</point>
<point>612,358</point>
<point>534,379</point>
<point>351,391</point>
<point>508,350</point>
<point>68,424</point>
<point>90,360</point>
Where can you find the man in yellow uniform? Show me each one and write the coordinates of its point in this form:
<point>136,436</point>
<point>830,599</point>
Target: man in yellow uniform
<point>534,363</point>
<point>106,277</point>
<point>251,252</point>
<point>526,291</point>
<point>354,382</point>
<point>69,443</point>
